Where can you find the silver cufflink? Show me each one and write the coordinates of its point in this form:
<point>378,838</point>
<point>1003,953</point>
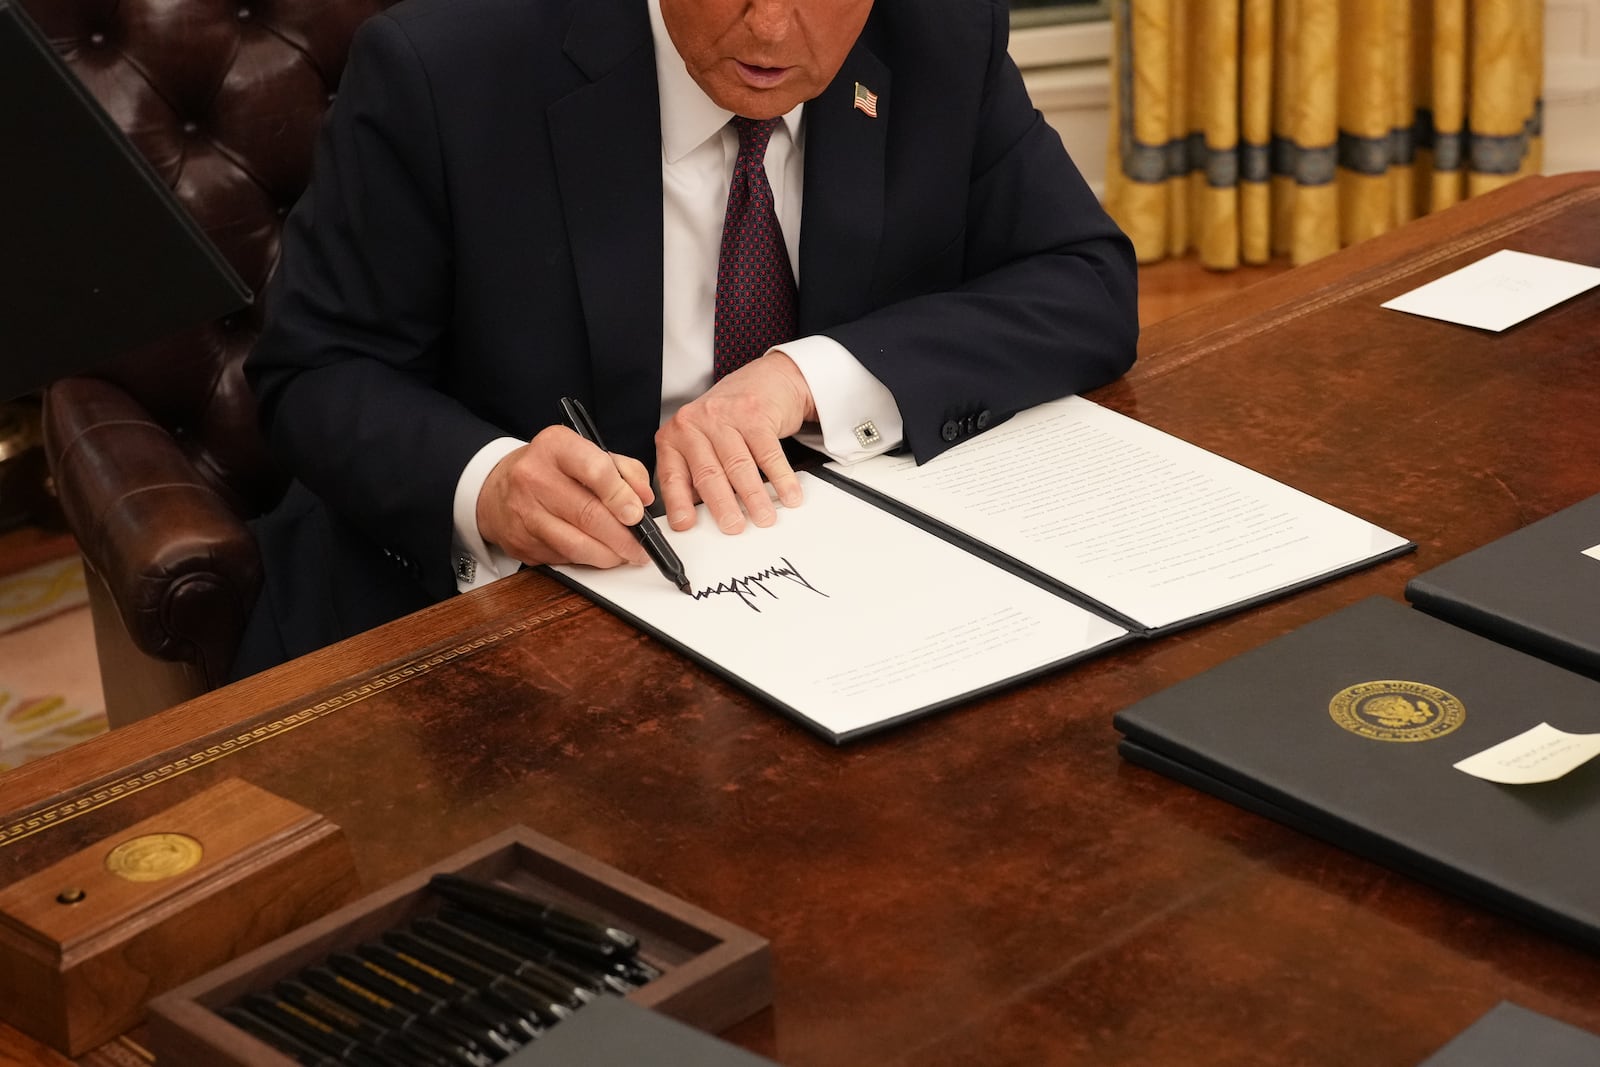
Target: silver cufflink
<point>466,568</point>
<point>867,434</point>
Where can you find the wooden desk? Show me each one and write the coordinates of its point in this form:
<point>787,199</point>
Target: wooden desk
<point>992,885</point>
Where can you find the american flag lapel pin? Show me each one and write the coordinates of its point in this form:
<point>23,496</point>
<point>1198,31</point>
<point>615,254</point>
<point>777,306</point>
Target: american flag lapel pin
<point>866,101</point>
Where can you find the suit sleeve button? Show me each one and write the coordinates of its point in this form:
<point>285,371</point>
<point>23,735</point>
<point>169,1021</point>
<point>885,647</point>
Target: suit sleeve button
<point>984,418</point>
<point>950,431</point>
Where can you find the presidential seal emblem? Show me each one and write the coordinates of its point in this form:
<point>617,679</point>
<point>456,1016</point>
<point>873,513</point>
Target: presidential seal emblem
<point>153,857</point>
<point>1396,711</point>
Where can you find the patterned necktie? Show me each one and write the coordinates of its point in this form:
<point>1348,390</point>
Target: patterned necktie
<point>755,284</point>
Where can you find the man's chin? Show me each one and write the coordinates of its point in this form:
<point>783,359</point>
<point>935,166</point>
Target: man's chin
<point>757,101</point>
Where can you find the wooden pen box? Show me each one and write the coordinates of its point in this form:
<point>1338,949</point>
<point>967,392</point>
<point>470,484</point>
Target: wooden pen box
<point>714,973</point>
<point>85,942</point>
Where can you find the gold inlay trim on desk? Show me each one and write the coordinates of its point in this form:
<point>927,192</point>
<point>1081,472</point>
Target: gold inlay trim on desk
<point>54,815</point>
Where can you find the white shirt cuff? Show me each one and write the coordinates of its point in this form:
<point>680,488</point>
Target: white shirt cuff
<point>857,417</point>
<point>475,562</point>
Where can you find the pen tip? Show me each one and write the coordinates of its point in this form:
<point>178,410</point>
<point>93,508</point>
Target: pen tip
<point>683,587</point>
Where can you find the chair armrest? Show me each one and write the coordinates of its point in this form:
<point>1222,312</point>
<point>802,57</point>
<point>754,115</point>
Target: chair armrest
<point>179,562</point>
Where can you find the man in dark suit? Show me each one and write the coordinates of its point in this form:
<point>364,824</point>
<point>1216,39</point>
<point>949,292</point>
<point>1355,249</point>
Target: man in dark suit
<point>518,200</point>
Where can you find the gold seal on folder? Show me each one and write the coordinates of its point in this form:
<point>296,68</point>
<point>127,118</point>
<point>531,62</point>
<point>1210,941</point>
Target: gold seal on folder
<point>1396,711</point>
<point>153,857</point>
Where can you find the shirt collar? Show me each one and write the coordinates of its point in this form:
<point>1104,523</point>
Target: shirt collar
<point>688,115</point>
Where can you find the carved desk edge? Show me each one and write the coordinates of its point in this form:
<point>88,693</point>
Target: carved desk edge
<point>211,727</point>
<point>1276,302</point>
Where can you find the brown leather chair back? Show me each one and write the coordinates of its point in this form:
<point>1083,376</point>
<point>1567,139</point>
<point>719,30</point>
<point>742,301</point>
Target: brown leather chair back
<point>156,456</point>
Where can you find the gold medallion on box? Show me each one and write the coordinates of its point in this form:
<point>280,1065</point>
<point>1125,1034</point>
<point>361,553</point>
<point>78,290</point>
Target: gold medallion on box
<point>1396,711</point>
<point>153,857</point>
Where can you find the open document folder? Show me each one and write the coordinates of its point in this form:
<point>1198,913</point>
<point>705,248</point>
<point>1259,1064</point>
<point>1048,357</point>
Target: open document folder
<point>896,589</point>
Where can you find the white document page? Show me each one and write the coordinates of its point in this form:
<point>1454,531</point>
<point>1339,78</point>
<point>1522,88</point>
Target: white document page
<point>847,614</point>
<point>1149,525</point>
<point>1499,290</point>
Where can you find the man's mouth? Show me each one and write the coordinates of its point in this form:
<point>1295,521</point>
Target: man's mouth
<point>761,77</point>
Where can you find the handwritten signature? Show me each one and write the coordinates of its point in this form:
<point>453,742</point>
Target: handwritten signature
<point>745,588</point>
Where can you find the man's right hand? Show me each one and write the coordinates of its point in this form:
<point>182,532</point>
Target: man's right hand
<point>560,499</point>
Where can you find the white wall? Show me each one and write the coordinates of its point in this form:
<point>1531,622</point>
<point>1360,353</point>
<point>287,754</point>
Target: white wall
<point>1571,85</point>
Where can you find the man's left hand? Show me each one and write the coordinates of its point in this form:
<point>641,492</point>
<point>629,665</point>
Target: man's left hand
<point>717,446</point>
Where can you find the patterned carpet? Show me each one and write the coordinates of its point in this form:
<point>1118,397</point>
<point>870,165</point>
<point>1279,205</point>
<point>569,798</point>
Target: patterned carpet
<point>50,695</point>
<point>40,592</point>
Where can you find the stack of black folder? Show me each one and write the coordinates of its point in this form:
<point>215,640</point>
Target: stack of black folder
<point>1534,589</point>
<point>1264,731</point>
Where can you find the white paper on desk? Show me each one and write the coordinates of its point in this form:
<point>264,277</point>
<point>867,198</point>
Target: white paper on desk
<point>847,614</point>
<point>1153,527</point>
<point>1541,754</point>
<point>1499,290</point>
<point>1593,552</point>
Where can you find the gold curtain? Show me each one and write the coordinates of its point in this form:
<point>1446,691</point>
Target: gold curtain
<point>1246,129</point>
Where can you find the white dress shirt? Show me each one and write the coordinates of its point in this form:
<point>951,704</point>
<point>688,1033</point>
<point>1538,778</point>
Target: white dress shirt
<point>698,149</point>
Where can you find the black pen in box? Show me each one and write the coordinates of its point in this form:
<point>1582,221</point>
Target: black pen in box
<point>424,1029</point>
<point>536,917</point>
<point>454,1015</point>
<point>595,976</point>
<point>533,1010</point>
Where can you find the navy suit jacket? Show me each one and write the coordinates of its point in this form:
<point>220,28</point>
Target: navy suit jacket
<point>483,235</point>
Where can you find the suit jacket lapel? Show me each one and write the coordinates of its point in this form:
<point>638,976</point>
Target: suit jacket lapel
<point>612,204</point>
<point>843,212</point>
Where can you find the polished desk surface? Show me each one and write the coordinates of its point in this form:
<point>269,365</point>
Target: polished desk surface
<point>993,884</point>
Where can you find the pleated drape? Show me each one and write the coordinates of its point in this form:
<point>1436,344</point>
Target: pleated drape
<point>1247,129</point>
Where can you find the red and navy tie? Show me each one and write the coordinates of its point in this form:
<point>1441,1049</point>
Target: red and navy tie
<point>755,284</point>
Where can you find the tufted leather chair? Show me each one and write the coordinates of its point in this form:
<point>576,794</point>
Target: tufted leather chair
<point>156,457</point>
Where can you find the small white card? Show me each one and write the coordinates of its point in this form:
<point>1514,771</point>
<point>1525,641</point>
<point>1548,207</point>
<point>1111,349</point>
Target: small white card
<point>1541,754</point>
<point>1499,290</point>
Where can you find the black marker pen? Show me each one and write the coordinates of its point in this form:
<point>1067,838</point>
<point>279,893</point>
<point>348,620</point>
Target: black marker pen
<point>645,530</point>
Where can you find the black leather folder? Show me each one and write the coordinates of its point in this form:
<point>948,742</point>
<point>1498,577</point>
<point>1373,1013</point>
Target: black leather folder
<point>1348,729</point>
<point>1510,1035</point>
<point>1533,589</point>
